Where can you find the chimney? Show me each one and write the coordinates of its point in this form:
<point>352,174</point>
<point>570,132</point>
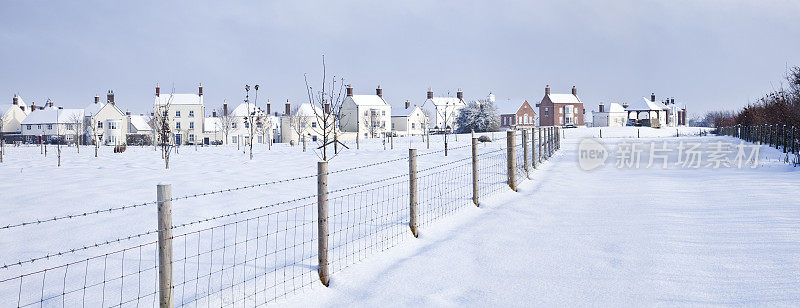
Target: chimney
<point>408,104</point>
<point>684,115</point>
<point>59,107</point>
<point>602,108</point>
<point>328,106</point>
<point>200,89</point>
<point>349,90</point>
<point>672,100</point>
<point>214,113</point>
<point>625,105</point>
<point>269,110</point>
<point>158,90</point>
<point>459,94</point>
<point>652,97</point>
<point>547,90</point>
<point>33,106</point>
<point>128,113</point>
<point>110,97</point>
<point>97,99</point>
<point>430,93</point>
<point>224,109</point>
<point>288,110</point>
<point>379,91</point>
<point>51,104</point>
<point>574,91</point>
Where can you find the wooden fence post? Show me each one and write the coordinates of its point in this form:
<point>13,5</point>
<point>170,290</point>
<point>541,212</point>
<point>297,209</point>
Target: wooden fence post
<point>526,161</point>
<point>164,197</point>
<point>539,145</point>
<point>794,139</point>
<point>412,191</point>
<point>511,160</point>
<point>322,221</point>
<point>533,147</point>
<point>475,171</point>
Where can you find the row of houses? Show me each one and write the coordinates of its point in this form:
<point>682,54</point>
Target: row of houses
<point>644,112</point>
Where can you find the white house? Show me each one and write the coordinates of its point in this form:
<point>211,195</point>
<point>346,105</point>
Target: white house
<point>265,125</point>
<point>655,113</point>
<point>212,130</point>
<point>301,121</point>
<point>410,121</point>
<point>367,115</point>
<point>52,125</point>
<point>11,116</point>
<point>443,110</point>
<point>184,112</point>
<point>88,112</point>
<point>612,114</point>
<point>139,130</point>
<point>109,125</point>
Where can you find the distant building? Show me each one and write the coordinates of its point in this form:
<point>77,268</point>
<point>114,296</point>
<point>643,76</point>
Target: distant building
<point>11,117</point>
<point>611,114</point>
<point>109,124</point>
<point>301,122</point>
<point>369,116</point>
<point>516,114</point>
<point>443,111</point>
<point>51,124</point>
<point>560,109</point>
<point>648,112</point>
<point>410,121</point>
<point>184,112</point>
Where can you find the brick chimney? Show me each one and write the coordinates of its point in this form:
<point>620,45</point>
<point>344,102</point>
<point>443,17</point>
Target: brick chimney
<point>408,104</point>
<point>214,113</point>
<point>200,89</point>
<point>224,109</point>
<point>459,94</point>
<point>110,97</point>
<point>349,90</point>
<point>547,90</point>
<point>625,105</point>
<point>328,106</point>
<point>652,97</point>
<point>574,91</point>
<point>97,99</point>
<point>128,112</point>
<point>269,109</point>
<point>15,101</point>
<point>602,108</point>
<point>379,91</point>
<point>672,100</point>
<point>33,106</point>
<point>158,90</point>
<point>288,110</point>
<point>430,93</point>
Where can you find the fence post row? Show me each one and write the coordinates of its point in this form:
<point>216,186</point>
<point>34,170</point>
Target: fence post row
<point>525,160</point>
<point>511,160</point>
<point>322,221</point>
<point>475,171</point>
<point>412,191</point>
<point>539,144</point>
<point>164,197</point>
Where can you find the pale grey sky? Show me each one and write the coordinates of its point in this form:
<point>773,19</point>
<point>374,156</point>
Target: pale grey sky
<point>707,54</point>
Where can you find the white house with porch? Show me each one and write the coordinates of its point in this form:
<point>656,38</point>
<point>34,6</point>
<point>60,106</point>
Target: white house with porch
<point>443,111</point>
<point>369,116</point>
<point>648,112</point>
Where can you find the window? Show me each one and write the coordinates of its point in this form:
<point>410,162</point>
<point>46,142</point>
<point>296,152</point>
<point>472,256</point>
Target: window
<point>69,137</point>
<point>191,124</point>
<point>258,125</point>
<point>177,113</point>
<point>191,113</point>
<point>561,110</point>
<point>29,127</point>
<point>191,137</point>
<point>69,126</point>
<point>233,125</point>
<point>112,125</point>
<point>38,126</point>
<point>366,113</point>
<point>164,113</point>
<point>313,124</point>
<point>99,124</point>
<point>413,125</point>
<point>392,126</point>
<point>313,138</point>
<point>383,112</point>
<point>260,139</point>
<point>177,125</point>
<point>235,139</point>
<point>546,111</point>
<point>246,124</point>
<point>560,120</point>
<point>49,126</point>
<point>383,124</point>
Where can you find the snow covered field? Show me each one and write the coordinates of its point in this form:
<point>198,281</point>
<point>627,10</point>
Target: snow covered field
<point>613,236</point>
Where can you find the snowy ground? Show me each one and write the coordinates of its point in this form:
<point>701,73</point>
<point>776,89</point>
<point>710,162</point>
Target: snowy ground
<point>609,236</point>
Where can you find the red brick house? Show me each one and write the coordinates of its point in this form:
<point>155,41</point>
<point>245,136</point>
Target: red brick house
<point>560,109</point>
<point>517,115</point>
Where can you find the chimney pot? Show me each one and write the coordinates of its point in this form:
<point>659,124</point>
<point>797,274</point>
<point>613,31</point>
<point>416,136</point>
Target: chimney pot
<point>214,113</point>
<point>379,91</point>
<point>327,108</point>
<point>225,109</point>
<point>269,109</point>
<point>574,91</point>
<point>288,110</point>
<point>430,93</point>
<point>15,100</point>
<point>602,107</point>
<point>349,90</point>
<point>158,90</point>
<point>110,97</point>
<point>408,104</point>
<point>200,90</point>
<point>459,94</point>
<point>547,90</point>
<point>653,97</point>
<point>128,113</point>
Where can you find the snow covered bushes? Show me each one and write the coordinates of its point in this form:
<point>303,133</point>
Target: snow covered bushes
<point>480,116</point>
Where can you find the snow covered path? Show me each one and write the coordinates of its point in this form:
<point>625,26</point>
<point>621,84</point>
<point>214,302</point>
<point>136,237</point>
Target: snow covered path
<point>607,237</point>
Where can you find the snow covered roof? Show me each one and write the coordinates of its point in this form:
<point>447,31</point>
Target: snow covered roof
<point>307,110</point>
<point>404,112</point>
<point>244,109</point>
<point>93,109</point>
<point>564,99</point>
<point>20,102</point>
<point>614,107</point>
<point>445,101</point>
<point>368,100</point>
<point>140,123</point>
<point>646,105</point>
<point>178,99</point>
<point>53,115</point>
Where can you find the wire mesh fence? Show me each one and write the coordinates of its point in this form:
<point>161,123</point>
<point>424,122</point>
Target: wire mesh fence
<point>263,254</point>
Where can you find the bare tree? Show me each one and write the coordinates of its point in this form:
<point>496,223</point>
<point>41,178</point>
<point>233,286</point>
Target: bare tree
<point>76,120</point>
<point>328,101</point>
<point>448,115</point>
<point>225,122</point>
<point>373,120</point>
<point>298,123</point>
<point>264,125</point>
<point>164,132</point>
<point>252,114</point>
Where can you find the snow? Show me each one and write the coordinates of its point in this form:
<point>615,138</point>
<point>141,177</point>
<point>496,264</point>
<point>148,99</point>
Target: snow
<point>613,107</point>
<point>444,101</point>
<point>140,123</point>
<point>564,99</point>
<point>53,115</point>
<point>403,112</point>
<point>568,237</point>
<point>645,104</point>
<point>307,110</point>
<point>368,100</point>
<point>178,99</point>
<point>244,110</point>
<point>93,108</point>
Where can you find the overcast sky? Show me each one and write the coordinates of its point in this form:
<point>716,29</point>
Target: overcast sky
<point>707,54</point>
